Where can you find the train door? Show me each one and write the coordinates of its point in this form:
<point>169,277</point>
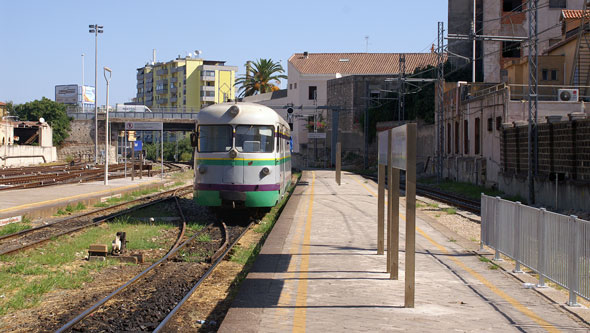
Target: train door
<point>280,152</point>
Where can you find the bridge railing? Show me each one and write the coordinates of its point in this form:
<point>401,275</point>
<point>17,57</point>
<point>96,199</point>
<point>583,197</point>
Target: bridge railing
<point>555,246</point>
<point>137,115</point>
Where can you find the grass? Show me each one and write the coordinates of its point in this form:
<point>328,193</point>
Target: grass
<point>241,254</point>
<point>204,238</point>
<point>420,205</point>
<point>452,240</point>
<point>468,190</point>
<point>433,205</point>
<point>69,209</point>
<point>450,211</point>
<point>25,277</point>
<point>12,228</point>
<point>491,265</point>
<point>127,197</point>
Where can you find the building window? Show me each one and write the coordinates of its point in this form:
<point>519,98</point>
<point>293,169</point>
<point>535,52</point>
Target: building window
<point>313,92</point>
<point>295,85</point>
<point>466,136</point>
<point>490,124</point>
<point>544,75</point>
<point>476,150</point>
<point>511,49</point>
<point>554,75</point>
<point>457,137</point>
<point>290,86</point>
<point>449,138</point>
<point>498,123</point>
<point>557,4</point>
<point>512,5</point>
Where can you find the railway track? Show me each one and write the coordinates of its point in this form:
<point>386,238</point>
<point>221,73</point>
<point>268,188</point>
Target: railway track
<point>452,199</point>
<point>25,239</point>
<point>31,177</point>
<point>150,299</point>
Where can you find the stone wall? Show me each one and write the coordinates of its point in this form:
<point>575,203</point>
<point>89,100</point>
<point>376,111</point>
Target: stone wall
<point>564,148</point>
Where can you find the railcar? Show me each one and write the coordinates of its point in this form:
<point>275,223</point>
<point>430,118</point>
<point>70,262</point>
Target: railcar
<point>242,156</point>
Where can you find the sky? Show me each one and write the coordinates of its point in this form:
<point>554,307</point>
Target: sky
<point>42,42</point>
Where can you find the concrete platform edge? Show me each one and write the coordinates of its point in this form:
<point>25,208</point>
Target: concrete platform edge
<point>242,316</point>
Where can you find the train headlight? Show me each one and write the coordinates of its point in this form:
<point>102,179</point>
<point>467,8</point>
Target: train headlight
<point>265,171</point>
<point>233,153</point>
<point>202,169</point>
<point>234,110</point>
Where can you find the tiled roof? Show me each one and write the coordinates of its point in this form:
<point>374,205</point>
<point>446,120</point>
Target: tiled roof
<point>573,13</point>
<point>359,63</point>
<point>2,104</point>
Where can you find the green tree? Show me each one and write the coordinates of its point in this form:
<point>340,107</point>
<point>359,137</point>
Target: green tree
<point>262,76</point>
<point>54,114</point>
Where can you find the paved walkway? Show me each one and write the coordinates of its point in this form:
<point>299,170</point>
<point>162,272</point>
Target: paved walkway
<point>318,271</point>
<point>14,202</point>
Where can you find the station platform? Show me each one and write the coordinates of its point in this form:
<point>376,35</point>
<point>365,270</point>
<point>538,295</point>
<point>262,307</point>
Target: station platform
<point>319,271</point>
<point>45,201</point>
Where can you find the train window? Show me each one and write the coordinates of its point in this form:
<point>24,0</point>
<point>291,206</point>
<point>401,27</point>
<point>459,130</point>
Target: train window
<point>215,138</point>
<point>255,139</point>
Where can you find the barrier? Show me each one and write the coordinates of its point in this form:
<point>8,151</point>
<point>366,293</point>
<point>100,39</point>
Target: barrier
<point>555,246</point>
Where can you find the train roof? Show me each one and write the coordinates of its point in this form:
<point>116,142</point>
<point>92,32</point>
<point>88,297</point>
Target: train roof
<point>250,113</point>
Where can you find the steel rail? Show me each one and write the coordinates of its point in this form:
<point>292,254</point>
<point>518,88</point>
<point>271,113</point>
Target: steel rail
<point>201,280</point>
<point>153,200</point>
<point>100,303</point>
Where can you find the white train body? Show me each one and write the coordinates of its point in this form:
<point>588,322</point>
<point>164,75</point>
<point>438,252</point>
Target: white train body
<point>243,156</point>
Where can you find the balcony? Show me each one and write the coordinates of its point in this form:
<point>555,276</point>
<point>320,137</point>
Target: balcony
<point>173,79</point>
<point>208,98</point>
<point>140,76</point>
<point>163,82</point>
<point>149,75</point>
<point>139,95</point>
<point>140,85</point>
<point>207,88</point>
<point>162,91</point>
<point>149,103</point>
<point>173,90</point>
<point>173,99</point>
<point>178,69</point>
<point>149,96</point>
<point>208,78</point>
<point>162,101</point>
<point>162,71</point>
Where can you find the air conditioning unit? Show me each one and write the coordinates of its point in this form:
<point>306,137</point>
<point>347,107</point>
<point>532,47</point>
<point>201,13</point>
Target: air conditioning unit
<point>567,95</point>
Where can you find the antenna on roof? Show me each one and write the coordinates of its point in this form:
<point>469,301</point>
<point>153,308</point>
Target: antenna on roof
<point>366,44</point>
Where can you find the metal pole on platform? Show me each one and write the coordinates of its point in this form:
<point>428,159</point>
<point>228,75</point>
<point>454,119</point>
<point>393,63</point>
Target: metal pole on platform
<point>389,204</point>
<point>394,179</point>
<point>380,207</point>
<point>338,162</point>
<point>410,272</point>
<point>106,133</point>
<point>162,152</point>
<point>125,174</point>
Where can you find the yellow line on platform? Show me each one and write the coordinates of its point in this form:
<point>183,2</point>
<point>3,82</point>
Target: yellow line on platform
<point>301,302</point>
<point>517,305</point>
<point>41,203</point>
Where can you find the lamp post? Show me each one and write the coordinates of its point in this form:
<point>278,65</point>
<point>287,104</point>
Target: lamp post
<point>5,119</point>
<point>95,29</point>
<point>82,88</point>
<point>106,140</point>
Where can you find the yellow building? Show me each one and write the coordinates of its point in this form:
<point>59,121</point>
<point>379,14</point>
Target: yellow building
<point>185,84</point>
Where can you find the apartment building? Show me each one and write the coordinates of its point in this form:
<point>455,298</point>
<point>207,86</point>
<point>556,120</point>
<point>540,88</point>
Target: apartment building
<point>186,84</point>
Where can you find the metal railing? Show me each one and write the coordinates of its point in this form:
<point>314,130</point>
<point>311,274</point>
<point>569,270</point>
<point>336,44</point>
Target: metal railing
<point>137,115</point>
<point>555,246</point>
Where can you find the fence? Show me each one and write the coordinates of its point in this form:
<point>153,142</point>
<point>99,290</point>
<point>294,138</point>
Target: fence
<point>136,115</point>
<point>555,246</point>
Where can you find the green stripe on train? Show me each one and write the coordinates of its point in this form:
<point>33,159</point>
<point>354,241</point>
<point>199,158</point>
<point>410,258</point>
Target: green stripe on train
<point>205,161</point>
<point>253,198</point>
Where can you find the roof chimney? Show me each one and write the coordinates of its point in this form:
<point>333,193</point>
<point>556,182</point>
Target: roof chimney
<point>305,55</point>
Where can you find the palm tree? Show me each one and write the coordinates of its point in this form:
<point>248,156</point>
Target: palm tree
<point>263,75</point>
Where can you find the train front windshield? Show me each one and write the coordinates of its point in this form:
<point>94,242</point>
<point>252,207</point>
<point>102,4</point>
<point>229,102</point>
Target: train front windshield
<point>215,138</point>
<point>254,139</point>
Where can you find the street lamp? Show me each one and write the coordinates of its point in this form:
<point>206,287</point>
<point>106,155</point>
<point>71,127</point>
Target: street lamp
<point>106,140</point>
<point>82,89</point>
<point>5,119</point>
<point>95,29</point>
